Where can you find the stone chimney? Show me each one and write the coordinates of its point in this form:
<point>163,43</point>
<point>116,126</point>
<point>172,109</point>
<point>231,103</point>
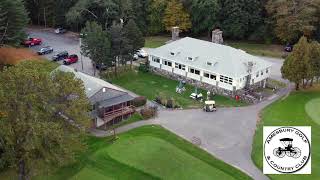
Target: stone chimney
<point>175,33</point>
<point>217,36</point>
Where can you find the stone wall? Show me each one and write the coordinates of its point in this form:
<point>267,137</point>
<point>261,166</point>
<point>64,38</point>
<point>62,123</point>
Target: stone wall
<point>244,96</point>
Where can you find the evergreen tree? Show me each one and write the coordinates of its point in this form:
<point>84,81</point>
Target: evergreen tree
<point>13,20</point>
<point>96,44</point>
<point>134,38</point>
<point>155,15</point>
<point>44,118</point>
<point>204,15</point>
<point>239,18</point>
<point>296,67</point>
<point>176,15</point>
<point>314,61</point>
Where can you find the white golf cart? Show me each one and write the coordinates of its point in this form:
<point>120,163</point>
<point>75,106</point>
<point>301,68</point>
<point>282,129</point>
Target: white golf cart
<point>210,106</point>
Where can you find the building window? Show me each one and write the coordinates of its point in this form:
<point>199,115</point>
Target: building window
<point>214,77</point>
<point>194,71</point>
<point>226,80</point>
<point>210,76</point>
<point>267,71</point>
<point>168,63</point>
<point>261,73</point>
<point>180,66</point>
<point>155,59</point>
<point>172,53</point>
<point>190,58</point>
<point>209,63</point>
<point>257,74</point>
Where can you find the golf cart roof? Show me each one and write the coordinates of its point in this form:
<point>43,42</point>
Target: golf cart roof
<point>286,139</point>
<point>209,102</point>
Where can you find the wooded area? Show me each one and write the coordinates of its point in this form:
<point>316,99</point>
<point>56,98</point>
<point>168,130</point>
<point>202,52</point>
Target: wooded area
<point>284,21</point>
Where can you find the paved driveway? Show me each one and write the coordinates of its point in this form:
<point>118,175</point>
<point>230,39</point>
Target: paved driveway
<point>62,42</point>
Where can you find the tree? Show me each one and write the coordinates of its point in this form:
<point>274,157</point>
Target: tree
<point>116,44</point>
<point>44,118</point>
<point>176,15</point>
<point>239,18</point>
<point>13,20</point>
<point>314,64</point>
<point>96,44</point>
<point>296,67</point>
<point>103,12</point>
<point>134,37</point>
<point>155,15</point>
<point>204,15</point>
<point>293,18</point>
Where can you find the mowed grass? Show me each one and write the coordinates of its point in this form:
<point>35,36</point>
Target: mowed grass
<point>148,152</point>
<point>270,50</point>
<point>291,112</point>
<point>151,85</point>
<point>156,41</point>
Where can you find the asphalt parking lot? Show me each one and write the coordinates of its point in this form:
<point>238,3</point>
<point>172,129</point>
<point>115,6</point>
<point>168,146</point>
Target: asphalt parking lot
<point>62,42</point>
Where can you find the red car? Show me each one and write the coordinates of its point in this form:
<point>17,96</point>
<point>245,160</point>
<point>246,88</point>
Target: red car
<point>71,59</point>
<point>32,42</point>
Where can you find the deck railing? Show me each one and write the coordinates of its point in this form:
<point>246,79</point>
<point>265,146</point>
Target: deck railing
<point>109,116</point>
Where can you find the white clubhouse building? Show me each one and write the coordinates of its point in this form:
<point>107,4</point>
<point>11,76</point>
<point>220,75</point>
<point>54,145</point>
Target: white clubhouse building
<point>215,64</point>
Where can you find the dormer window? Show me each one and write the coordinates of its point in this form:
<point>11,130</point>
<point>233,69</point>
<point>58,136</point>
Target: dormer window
<point>172,53</point>
<point>190,58</point>
<point>209,63</point>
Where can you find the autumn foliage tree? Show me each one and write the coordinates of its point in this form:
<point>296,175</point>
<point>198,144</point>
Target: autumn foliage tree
<point>176,15</point>
<point>293,18</point>
<point>43,118</point>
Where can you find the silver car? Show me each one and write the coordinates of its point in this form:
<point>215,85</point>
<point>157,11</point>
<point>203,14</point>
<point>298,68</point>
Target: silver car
<point>45,50</point>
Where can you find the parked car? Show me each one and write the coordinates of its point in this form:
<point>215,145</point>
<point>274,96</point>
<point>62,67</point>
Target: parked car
<point>142,53</point>
<point>32,42</point>
<point>101,67</point>
<point>73,58</point>
<point>45,50</point>
<point>288,48</point>
<point>60,30</point>
<point>60,56</point>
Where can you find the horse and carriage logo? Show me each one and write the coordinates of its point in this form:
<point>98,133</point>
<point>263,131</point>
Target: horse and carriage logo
<point>287,150</point>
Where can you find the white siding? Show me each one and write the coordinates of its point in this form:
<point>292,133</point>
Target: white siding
<point>179,72</point>
<point>167,68</point>
<point>194,76</point>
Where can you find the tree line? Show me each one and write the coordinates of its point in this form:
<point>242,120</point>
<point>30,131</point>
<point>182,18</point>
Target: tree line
<point>284,21</point>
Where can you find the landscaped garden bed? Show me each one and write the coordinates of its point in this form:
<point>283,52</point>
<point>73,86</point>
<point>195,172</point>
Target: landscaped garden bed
<point>152,85</point>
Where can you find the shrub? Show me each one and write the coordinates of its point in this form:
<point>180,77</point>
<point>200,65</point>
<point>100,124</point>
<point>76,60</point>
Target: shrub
<point>139,101</point>
<point>170,103</point>
<point>149,112</point>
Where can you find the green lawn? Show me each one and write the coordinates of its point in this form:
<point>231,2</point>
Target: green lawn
<point>148,152</point>
<point>156,41</point>
<point>292,112</point>
<point>269,50</point>
<point>151,85</point>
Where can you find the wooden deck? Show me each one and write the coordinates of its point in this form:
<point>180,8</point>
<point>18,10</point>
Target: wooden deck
<point>109,116</point>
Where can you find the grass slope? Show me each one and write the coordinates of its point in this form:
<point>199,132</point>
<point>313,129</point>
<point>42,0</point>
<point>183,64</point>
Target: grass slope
<point>290,112</point>
<point>148,152</point>
<point>269,50</point>
<point>151,85</point>
<point>156,41</point>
